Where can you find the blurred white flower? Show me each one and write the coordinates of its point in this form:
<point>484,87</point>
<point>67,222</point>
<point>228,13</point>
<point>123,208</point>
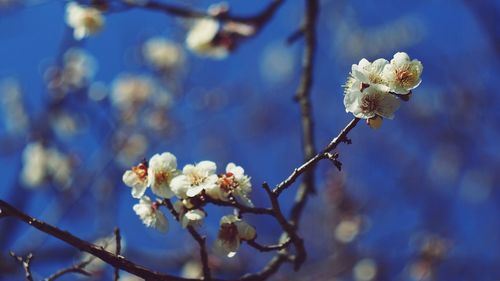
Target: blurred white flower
<point>233,182</point>
<point>188,217</point>
<point>84,20</point>
<point>150,215</point>
<point>137,178</point>
<point>34,159</point>
<point>130,90</point>
<point>162,53</point>
<point>162,168</point>
<point>194,179</point>
<point>401,74</point>
<point>40,164</point>
<point>79,68</point>
<point>201,39</point>
<point>58,167</point>
<point>232,230</point>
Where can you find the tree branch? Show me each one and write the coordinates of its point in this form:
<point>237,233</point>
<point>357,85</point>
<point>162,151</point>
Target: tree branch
<point>118,251</point>
<point>201,240</point>
<point>26,263</point>
<point>90,248</point>
<point>79,268</point>
<point>341,137</point>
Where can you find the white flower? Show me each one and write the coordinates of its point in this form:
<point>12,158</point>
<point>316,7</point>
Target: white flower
<point>233,182</point>
<point>84,20</point>
<point>201,39</point>
<point>130,90</point>
<point>137,179</point>
<point>369,73</point>
<point>162,54</point>
<point>59,167</point>
<point>187,217</point>
<point>150,215</point>
<point>34,159</point>
<point>162,168</point>
<point>194,179</point>
<point>375,100</point>
<point>401,74</point>
<point>232,230</point>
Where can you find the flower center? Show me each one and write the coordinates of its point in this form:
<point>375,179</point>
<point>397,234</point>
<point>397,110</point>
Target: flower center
<point>405,77</point>
<point>369,103</point>
<point>197,179</point>
<point>227,182</point>
<point>228,232</point>
<point>90,21</point>
<point>141,171</point>
<point>161,177</point>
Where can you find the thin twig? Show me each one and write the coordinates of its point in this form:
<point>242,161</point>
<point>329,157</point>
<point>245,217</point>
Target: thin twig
<point>259,19</point>
<point>26,263</point>
<point>201,240</point>
<point>118,250</point>
<point>242,208</point>
<point>268,248</point>
<point>342,137</point>
<point>79,268</point>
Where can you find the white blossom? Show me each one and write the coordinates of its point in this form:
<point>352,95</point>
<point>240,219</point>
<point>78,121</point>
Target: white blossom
<point>131,90</point>
<point>369,73</point>
<point>162,168</point>
<point>232,230</point>
<point>84,20</point>
<point>137,178</point>
<point>188,217</point>
<point>34,159</point>
<point>194,179</point>
<point>375,100</point>
<point>40,163</point>
<point>162,53</point>
<point>402,74</point>
<point>201,39</point>
<point>150,215</point>
<point>233,182</point>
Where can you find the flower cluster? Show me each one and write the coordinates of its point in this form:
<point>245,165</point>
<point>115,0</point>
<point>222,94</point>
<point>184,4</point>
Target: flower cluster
<point>193,187</point>
<point>374,89</point>
<point>42,165</point>
<point>212,38</point>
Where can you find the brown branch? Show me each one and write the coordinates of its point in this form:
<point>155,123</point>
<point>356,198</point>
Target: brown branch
<point>259,19</point>
<point>341,137</point>
<point>26,263</point>
<point>201,240</point>
<point>79,268</point>
<point>287,227</point>
<point>118,251</point>
<point>268,248</point>
<point>242,208</point>
<point>90,248</point>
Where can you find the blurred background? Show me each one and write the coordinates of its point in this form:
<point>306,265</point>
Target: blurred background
<point>417,199</point>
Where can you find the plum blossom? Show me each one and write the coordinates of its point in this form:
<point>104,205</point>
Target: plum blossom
<point>137,178</point>
<point>162,168</point>
<point>188,216</point>
<point>375,101</point>
<point>234,182</point>
<point>194,179</point>
<point>212,38</point>
<point>84,20</point>
<point>150,214</point>
<point>162,54</point>
<point>232,230</point>
<point>369,73</point>
<point>402,74</point>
